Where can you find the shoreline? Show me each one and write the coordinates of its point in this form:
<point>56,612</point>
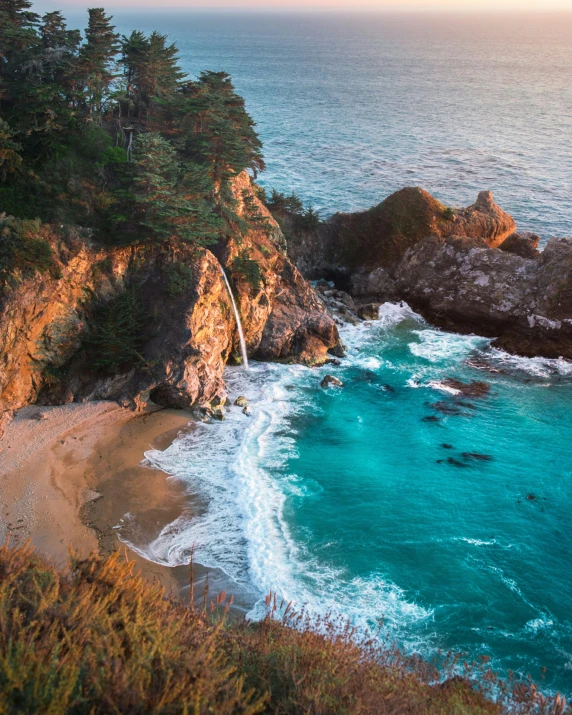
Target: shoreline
<point>70,473</point>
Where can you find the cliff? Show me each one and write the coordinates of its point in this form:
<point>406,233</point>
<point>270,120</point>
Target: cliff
<point>150,321</point>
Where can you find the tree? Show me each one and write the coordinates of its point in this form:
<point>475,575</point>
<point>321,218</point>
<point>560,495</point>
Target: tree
<point>134,51</point>
<point>170,202</point>
<point>151,69</point>
<point>217,132</point>
<point>17,35</point>
<point>10,160</point>
<point>97,58</point>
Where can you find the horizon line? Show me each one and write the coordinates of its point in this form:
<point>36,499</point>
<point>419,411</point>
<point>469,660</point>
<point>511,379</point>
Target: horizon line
<point>437,9</point>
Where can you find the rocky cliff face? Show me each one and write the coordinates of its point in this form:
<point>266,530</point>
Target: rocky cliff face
<point>189,331</point>
<point>466,270</point>
<point>462,284</point>
<point>360,242</point>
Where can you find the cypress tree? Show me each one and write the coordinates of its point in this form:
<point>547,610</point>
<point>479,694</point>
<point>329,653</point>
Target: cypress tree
<point>97,56</point>
<point>17,35</point>
<point>216,128</point>
<point>151,69</point>
<point>170,203</point>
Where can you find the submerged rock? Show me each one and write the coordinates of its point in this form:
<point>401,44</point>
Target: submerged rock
<point>369,311</point>
<point>455,462</point>
<point>477,456</point>
<point>331,380</point>
<point>476,388</point>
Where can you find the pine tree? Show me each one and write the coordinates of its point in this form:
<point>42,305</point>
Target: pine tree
<point>171,203</point>
<point>98,55</point>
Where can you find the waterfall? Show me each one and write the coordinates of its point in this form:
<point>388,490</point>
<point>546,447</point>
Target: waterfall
<point>238,323</point>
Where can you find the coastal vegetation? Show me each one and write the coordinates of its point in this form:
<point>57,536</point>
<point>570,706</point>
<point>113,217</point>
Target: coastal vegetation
<point>105,131</point>
<point>99,639</point>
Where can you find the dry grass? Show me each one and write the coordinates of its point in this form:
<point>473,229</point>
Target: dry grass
<point>98,639</point>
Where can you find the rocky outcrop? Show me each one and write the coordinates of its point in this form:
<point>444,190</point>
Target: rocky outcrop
<point>189,333</point>
<point>363,242</point>
<point>464,285</point>
<point>465,270</point>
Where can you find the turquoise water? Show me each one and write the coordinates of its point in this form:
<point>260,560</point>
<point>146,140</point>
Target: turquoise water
<point>347,500</point>
<point>354,107</point>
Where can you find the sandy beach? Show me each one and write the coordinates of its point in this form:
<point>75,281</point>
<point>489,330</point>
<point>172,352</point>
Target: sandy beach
<point>69,474</point>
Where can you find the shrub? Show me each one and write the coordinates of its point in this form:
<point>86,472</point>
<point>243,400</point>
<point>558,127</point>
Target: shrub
<point>248,268</point>
<point>116,332</point>
<point>23,251</point>
<point>279,202</point>
<point>101,640</point>
<point>178,279</point>
<point>310,219</point>
<point>448,213</point>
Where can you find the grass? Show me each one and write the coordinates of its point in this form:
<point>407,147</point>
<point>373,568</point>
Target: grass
<point>98,639</point>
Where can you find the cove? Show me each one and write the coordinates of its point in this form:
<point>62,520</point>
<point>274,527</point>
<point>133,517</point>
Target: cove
<point>395,500</point>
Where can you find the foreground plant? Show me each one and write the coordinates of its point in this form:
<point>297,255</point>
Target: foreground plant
<point>98,639</point>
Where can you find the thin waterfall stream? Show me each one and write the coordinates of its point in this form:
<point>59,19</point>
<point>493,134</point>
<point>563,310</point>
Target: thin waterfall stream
<point>238,322</point>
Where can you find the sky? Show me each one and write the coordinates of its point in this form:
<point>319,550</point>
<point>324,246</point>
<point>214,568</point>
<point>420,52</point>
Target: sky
<point>381,5</point>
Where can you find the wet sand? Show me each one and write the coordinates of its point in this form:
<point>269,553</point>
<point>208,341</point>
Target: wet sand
<point>69,474</point>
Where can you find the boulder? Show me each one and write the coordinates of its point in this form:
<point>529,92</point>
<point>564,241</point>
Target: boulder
<point>241,401</point>
<point>522,244</point>
<point>369,311</point>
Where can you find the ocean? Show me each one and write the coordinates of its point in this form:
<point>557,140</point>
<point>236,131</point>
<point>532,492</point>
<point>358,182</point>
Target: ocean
<point>394,501</point>
<point>353,107</point>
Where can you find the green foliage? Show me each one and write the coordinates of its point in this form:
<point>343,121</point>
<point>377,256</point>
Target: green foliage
<point>23,251</point>
<point>448,213</point>
<point>71,125</point>
<point>170,198</point>
<point>310,219</point>
<point>99,640</point>
<point>216,130</point>
<point>248,268</point>
<point>281,203</point>
<point>10,159</point>
<point>116,332</point>
<point>97,58</point>
<point>112,155</point>
<point>252,212</point>
<point>179,279</point>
